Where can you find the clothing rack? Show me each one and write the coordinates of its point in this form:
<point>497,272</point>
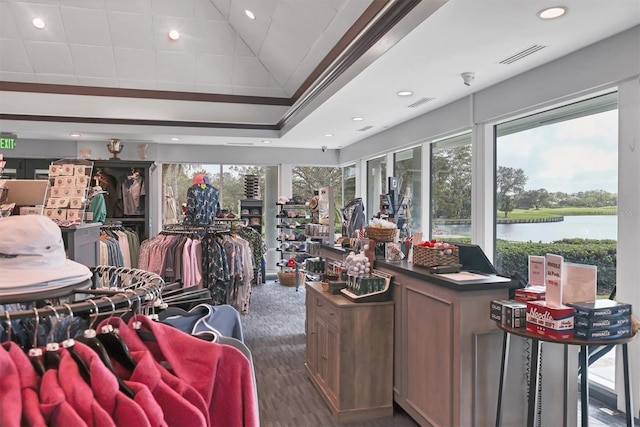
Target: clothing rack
<point>135,288</point>
<point>200,229</point>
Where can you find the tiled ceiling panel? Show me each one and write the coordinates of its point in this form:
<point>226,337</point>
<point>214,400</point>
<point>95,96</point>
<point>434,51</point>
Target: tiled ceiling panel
<point>215,37</point>
<point>182,8</point>
<point>176,67</point>
<point>24,14</point>
<point>14,49</point>
<point>93,61</point>
<point>138,33</point>
<point>8,25</point>
<point>86,26</point>
<point>214,69</point>
<point>135,64</point>
<point>133,6</point>
<point>188,33</point>
<point>50,58</point>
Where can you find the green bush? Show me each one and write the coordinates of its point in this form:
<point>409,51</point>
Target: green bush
<point>601,253</point>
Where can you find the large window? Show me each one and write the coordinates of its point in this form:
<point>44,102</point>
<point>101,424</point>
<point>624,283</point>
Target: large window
<point>451,188</point>
<point>348,183</point>
<point>376,184</point>
<point>407,168</point>
<point>556,192</point>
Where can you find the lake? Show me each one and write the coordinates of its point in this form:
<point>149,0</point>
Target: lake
<point>585,227</point>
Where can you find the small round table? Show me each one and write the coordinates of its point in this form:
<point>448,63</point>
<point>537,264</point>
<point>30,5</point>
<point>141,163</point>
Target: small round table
<point>583,365</point>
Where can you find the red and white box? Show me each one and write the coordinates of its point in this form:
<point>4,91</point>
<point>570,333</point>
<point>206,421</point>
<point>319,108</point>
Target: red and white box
<point>555,322</point>
<point>530,293</point>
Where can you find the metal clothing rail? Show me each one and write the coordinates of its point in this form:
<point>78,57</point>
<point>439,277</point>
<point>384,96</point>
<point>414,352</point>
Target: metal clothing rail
<point>135,289</point>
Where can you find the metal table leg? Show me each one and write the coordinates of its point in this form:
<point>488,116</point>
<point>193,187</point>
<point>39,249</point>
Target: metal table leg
<point>533,382</point>
<point>627,385</point>
<point>584,385</point>
<point>503,375</point>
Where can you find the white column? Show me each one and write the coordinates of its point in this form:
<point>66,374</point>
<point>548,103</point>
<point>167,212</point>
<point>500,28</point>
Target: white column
<point>482,187</point>
<point>425,203</point>
<point>628,267</point>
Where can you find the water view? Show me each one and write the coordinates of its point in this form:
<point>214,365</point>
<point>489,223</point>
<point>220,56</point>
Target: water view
<point>585,227</point>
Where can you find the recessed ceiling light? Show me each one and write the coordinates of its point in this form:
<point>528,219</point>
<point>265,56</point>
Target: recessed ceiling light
<point>38,23</point>
<point>552,12</point>
<point>175,139</point>
<point>264,141</point>
<point>405,93</point>
<point>357,119</point>
<point>328,134</point>
<point>249,14</point>
<point>174,35</point>
<point>76,135</point>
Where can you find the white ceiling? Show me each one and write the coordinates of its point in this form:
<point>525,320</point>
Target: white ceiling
<point>123,44</point>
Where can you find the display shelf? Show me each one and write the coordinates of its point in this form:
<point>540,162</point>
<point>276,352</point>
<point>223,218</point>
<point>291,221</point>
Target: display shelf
<point>251,211</point>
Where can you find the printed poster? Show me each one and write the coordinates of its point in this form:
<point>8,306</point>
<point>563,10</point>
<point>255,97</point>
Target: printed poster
<point>537,275</point>
<point>554,265</point>
<point>580,282</point>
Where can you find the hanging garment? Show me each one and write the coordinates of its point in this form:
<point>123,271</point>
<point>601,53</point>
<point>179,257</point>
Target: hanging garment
<point>170,211</point>
<point>98,208</point>
<point>55,408</point>
<point>221,374</point>
<point>202,205</point>
<point>10,408</point>
<point>31,414</point>
<point>223,319</point>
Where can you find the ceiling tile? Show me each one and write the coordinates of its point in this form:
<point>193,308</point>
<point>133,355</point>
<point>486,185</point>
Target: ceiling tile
<point>206,88</point>
<point>214,69</point>
<point>317,13</point>
<point>183,8</point>
<point>249,91</point>
<point>135,64</point>
<point>86,26</point>
<point>205,9</point>
<point>87,4</point>
<point>93,61</point>
<point>57,79</point>
<point>277,93</point>
<point>175,67</point>
<point>251,31</point>
<point>17,77</point>
<point>177,87</point>
<point>249,72</point>
<point>54,29</point>
<point>93,81</point>
<point>8,27</point>
<point>223,7</point>
<point>188,32</point>
<point>49,58</point>
<point>241,48</point>
<point>133,6</point>
<point>138,33</point>
<point>281,54</point>
<point>215,37</point>
<point>13,57</point>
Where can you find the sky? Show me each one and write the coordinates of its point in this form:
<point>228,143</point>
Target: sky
<point>571,156</point>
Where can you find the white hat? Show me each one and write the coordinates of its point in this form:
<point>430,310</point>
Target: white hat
<point>97,190</point>
<point>32,257</point>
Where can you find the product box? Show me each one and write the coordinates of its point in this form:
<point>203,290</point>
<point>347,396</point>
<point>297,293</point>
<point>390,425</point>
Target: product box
<point>597,323</point>
<point>555,322</point>
<point>530,293</point>
<point>508,312</point>
<point>600,308</point>
<point>31,210</point>
<point>612,333</point>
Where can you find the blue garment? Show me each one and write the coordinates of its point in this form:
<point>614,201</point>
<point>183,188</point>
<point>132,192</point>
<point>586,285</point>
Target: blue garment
<point>202,205</point>
<point>222,319</point>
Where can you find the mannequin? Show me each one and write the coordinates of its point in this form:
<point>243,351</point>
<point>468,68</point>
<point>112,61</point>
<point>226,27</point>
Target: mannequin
<point>97,205</point>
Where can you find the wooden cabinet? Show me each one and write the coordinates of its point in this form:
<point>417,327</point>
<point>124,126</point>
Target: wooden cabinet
<point>350,354</point>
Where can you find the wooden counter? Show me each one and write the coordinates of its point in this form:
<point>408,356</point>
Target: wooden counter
<point>446,348</point>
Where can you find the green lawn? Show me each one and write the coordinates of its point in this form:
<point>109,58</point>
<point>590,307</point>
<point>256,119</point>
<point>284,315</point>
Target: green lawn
<point>551,212</point>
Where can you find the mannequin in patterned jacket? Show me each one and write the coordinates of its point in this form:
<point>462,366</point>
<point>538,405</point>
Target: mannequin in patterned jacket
<point>202,202</point>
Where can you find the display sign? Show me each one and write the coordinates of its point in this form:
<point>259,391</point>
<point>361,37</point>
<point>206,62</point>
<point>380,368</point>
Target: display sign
<point>555,269</point>
<point>537,270</point>
<point>8,141</point>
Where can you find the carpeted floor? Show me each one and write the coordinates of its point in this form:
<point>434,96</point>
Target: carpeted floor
<point>274,331</point>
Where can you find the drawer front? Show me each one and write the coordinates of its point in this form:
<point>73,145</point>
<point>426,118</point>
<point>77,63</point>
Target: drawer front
<point>328,311</point>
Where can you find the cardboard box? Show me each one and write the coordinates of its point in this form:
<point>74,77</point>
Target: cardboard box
<point>555,322</point>
<point>598,323</point>
<point>600,308</point>
<point>31,210</point>
<point>530,293</point>
<point>508,312</point>
<point>613,333</point>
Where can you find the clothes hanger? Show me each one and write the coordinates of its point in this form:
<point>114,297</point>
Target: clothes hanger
<point>35,352</point>
<point>90,340</point>
<point>115,346</point>
<point>52,353</point>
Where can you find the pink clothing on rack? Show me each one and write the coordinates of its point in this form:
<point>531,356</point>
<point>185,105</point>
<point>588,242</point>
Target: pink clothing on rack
<point>187,270</point>
<point>29,380</point>
<point>145,400</point>
<point>220,373</point>
<point>55,409</point>
<point>120,407</point>
<point>147,363</point>
<point>10,404</point>
<point>195,268</point>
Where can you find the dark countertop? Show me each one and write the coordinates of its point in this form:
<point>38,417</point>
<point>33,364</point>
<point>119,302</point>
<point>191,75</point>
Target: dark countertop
<point>490,282</point>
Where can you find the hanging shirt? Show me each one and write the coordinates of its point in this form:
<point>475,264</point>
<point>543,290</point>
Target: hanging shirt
<point>98,208</point>
<point>55,409</point>
<point>202,205</point>
<point>31,414</point>
<point>220,373</point>
<point>10,404</point>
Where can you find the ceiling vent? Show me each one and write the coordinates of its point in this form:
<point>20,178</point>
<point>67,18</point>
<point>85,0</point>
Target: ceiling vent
<point>522,54</point>
<point>364,128</point>
<point>420,101</point>
<point>245,144</point>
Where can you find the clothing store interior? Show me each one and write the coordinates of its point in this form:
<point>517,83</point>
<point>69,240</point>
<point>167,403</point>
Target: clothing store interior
<point>304,213</point>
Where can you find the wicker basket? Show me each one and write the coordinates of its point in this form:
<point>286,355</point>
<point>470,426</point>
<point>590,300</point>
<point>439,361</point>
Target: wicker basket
<point>431,257</point>
<point>380,234</point>
<point>287,278</point>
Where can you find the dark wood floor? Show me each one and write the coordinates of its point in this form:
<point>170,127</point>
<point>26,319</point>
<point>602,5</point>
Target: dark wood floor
<point>274,331</point>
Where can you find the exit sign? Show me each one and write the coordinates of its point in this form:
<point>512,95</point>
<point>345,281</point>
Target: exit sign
<point>8,141</point>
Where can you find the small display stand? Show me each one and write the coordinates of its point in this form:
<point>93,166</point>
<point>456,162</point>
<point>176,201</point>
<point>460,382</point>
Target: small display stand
<point>68,198</point>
